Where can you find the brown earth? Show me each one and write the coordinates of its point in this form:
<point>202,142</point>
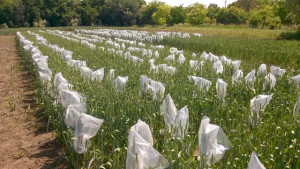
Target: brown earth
<point>24,139</point>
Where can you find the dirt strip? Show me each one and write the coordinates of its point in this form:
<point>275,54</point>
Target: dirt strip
<point>24,139</point>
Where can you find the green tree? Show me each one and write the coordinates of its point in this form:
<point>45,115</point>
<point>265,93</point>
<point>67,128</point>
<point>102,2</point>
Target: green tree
<point>294,7</point>
<point>88,13</point>
<point>255,19</point>
<point>279,9</point>
<point>33,10</point>
<point>232,15</point>
<point>162,15</point>
<point>12,13</point>
<point>122,12</point>
<point>196,14</point>
<point>212,13</point>
<point>146,12</point>
<point>177,14</point>
<point>248,5</point>
<point>273,22</point>
<point>265,13</point>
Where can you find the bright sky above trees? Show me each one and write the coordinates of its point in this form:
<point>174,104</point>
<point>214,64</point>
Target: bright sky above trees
<point>220,3</point>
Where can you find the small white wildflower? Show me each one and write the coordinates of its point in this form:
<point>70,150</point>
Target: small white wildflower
<point>179,154</point>
<point>293,132</point>
<point>277,128</point>
<point>117,149</point>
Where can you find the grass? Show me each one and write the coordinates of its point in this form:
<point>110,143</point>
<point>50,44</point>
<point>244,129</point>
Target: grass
<point>209,30</point>
<point>272,139</point>
<point>222,31</point>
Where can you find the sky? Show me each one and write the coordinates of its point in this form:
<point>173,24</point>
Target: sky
<point>220,3</point>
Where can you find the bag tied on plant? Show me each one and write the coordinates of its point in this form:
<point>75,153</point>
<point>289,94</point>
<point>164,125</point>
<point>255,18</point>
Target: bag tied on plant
<point>140,151</point>
<point>176,121</point>
<point>255,163</point>
<point>212,142</point>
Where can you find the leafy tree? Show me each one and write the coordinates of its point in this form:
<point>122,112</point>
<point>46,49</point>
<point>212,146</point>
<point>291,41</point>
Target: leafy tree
<point>248,5</point>
<point>294,7</point>
<point>162,15</point>
<point>123,12</point>
<point>255,19</point>
<point>88,13</point>
<point>212,13</point>
<point>273,22</point>
<point>196,14</point>
<point>279,9</point>
<point>177,14</point>
<point>147,11</point>
<point>232,15</point>
<point>33,10</point>
<point>12,13</point>
<point>265,13</point>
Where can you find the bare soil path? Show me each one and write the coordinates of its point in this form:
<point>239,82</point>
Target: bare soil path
<point>24,139</point>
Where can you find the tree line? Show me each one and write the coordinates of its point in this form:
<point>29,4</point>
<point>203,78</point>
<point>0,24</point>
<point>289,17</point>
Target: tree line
<point>40,13</point>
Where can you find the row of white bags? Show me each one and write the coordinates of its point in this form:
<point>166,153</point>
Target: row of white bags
<point>82,126</point>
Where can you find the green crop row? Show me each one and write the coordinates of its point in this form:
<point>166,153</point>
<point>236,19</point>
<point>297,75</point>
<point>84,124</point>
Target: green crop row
<point>274,138</point>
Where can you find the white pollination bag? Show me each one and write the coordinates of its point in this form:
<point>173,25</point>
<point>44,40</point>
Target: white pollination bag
<point>262,70</point>
<point>176,121</point>
<point>236,64</point>
<point>170,58</point>
<point>213,58</point>
<point>157,89</point>
<point>144,85</point>
<point>60,83</point>
<point>225,60</point>
<point>44,77</point>
<point>153,68</point>
<point>296,79</point>
<point>212,142</point>
<point>204,56</point>
<point>72,113</point>
<point>257,104</point>
<point>156,54</point>
<point>250,79</point>
<point>98,74</point>
<point>140,151</point>
<point>221,87</point>
<point>270,80</point>
<point>87,127</point>
<point>111,74</point>
<point>168,69</point>
<point>297,107</point>
<point>255,163</point>
<point>181,59</point>
<point>217,67</point>
<point>237,77</point>
<point>68,97</point>
<point>58,79</point>
<point>194,55</point>
<point>86,72</point>
<point>201,83</point>
<point>120,82</point>
<point>45,70</point>
<point>277,72</point>
<point>194,64</point>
